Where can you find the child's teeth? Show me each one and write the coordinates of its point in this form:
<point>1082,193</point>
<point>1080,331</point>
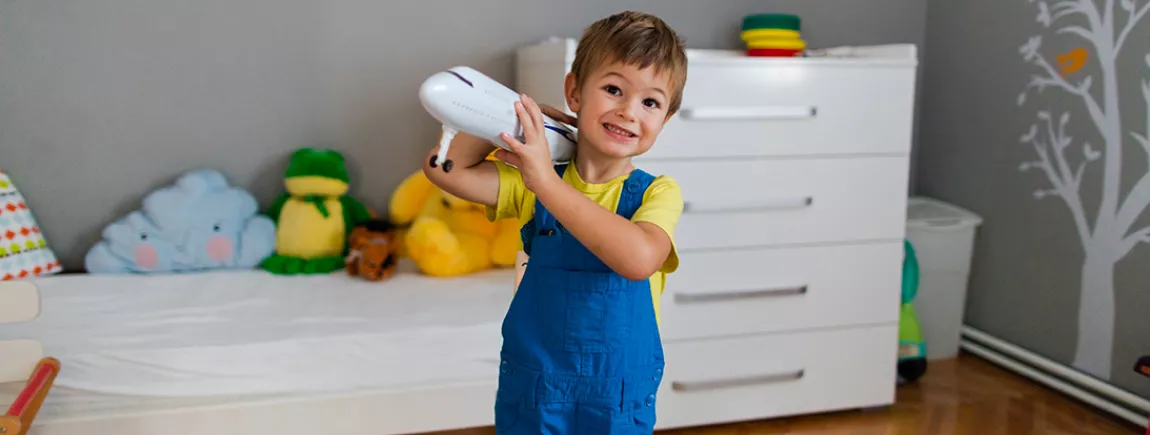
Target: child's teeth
<point>619,130</point>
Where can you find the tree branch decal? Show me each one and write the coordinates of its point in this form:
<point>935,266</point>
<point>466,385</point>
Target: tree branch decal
<point>1064,183</point>
<point>1108,239</point>
<point>1135,17</point>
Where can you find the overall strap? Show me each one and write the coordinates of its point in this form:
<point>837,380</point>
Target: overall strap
<point>541,220</point>
<point>633,189</point>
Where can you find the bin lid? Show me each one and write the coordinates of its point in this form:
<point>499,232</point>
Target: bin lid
<point>923,212</point>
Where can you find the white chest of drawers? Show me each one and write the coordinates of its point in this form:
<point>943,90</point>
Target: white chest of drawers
<point>794,177</point>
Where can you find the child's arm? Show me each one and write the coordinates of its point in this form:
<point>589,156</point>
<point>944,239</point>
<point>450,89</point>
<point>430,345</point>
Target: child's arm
<point>634,250</point>
<point>472,177</point>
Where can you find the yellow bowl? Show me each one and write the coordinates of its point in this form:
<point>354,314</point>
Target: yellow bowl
<point>788,44</point>
<point>751,34</point>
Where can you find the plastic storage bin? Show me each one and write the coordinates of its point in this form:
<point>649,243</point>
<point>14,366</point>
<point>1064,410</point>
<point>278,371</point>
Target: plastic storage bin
<point>943,238</point>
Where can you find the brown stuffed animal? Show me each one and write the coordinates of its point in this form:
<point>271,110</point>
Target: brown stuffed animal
<point>374,250</point>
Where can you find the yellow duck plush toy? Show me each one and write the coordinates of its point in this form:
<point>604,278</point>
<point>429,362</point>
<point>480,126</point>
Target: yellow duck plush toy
<point>449,236</point>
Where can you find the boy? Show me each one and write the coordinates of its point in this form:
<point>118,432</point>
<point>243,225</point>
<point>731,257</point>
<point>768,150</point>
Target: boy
<point>581,348</point>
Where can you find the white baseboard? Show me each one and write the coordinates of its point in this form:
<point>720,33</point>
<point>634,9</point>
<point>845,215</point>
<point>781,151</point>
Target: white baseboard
<point>1058,376</point>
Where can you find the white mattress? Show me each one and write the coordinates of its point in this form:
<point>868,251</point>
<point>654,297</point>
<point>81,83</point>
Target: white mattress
<point>206,337</point>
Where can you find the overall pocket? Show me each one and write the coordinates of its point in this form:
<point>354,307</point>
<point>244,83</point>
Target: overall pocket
<point>640,411</point>
<point>598,316</point>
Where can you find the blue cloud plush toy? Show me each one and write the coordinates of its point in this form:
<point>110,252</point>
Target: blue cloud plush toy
<point>200,223</point>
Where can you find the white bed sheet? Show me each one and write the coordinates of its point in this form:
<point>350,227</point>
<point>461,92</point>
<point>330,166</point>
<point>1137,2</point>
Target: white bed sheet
<point>250,333</point>
<point>64,404</point>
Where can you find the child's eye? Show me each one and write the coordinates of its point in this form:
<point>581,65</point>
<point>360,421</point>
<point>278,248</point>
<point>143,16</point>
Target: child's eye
<point>612,89</point>
<point>652,103</point>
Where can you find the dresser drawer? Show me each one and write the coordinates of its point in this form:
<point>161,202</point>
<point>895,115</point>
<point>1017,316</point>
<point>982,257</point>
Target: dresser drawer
<point>736,379</point>
<point>763,107</point>
<point>761,202</point>
<point>717,293</point>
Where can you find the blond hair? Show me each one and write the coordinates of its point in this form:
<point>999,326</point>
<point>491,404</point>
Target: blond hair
<point>634,38</point>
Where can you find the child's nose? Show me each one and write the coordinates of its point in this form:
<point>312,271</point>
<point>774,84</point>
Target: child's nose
<point>626,111</point>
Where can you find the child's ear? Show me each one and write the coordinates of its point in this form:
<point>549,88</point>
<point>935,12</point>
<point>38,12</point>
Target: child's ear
<point>571,92</point>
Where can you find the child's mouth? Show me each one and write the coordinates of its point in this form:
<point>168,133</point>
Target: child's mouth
<point>618,132</point>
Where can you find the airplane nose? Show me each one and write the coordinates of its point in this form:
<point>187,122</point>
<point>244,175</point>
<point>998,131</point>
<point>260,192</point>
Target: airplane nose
<point>442,82</point>
<point>435,91</point>
<point>437,83</point>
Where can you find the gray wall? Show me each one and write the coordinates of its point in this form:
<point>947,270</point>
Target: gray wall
<point>1027,280</point>
<point>103,101</point>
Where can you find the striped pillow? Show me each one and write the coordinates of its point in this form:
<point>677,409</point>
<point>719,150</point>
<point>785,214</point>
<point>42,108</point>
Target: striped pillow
<point>23,251</point>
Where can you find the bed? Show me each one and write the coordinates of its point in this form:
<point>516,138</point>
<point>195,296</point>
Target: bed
<point>243,352</point>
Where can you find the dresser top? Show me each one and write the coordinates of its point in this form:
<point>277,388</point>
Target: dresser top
<point>890,55</point>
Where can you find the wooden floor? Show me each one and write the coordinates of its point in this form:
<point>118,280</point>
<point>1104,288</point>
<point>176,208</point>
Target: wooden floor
<point>966,395</point>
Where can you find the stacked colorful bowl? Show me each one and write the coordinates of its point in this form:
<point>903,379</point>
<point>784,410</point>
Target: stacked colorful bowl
<point>773,35</point>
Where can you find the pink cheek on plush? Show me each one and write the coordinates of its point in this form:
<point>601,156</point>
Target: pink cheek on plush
<point>146,256</point>
<point>219,248</point>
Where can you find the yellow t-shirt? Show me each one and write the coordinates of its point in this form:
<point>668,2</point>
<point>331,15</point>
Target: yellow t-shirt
<point>662,206</point>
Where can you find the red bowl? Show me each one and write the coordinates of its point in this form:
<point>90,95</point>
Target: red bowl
<point>774,52</point>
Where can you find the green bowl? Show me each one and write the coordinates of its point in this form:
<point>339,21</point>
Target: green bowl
<point>772,21</point>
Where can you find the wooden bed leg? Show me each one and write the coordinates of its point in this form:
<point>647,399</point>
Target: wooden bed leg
<point>10,425</point>
<point>23,411</point>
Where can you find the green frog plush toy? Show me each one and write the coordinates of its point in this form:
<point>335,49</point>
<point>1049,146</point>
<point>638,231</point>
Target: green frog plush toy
<point>315,215</point>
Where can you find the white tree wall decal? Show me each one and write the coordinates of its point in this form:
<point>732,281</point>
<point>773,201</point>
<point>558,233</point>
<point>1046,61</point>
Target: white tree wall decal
<point>1106,234</point>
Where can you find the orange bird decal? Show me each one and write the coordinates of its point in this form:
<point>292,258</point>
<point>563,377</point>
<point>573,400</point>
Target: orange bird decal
<point>1072,61</point>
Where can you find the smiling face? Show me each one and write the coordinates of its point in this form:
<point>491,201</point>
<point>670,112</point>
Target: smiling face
<point>622,108</point>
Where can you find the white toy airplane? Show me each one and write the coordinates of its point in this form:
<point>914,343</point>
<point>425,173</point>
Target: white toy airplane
<point>463,99</point>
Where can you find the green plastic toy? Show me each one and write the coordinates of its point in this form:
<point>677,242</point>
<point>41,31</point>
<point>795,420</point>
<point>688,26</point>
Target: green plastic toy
<point>911,346</point>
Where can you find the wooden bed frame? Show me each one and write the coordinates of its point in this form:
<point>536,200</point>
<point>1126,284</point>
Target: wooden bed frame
<point>23,360</point>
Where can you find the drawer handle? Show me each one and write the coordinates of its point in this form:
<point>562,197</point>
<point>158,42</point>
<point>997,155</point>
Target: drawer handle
<point>766,205</point>
<point>745,113</point>
<point>739,294</point>
<point>738,382</point>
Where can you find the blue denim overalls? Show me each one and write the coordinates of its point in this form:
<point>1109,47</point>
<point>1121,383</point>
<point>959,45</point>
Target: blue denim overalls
<point>581,348</point>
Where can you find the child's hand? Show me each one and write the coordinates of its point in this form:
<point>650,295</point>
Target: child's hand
<point>534,157</point>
